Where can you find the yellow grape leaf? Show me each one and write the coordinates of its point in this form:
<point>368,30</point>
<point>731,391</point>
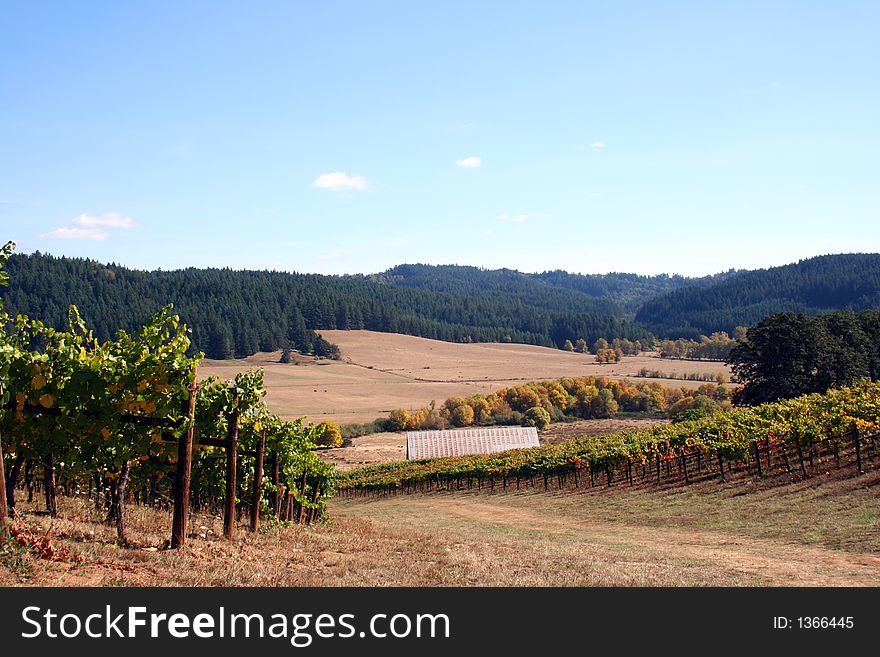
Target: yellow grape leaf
<point>47,401</point>
<point>258,426</point>
<point>38,381</point>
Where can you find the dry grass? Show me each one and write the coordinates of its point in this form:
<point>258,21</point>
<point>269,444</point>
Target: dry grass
<point>384,371</point>
<point>823,531</point>
<point>819,532</point>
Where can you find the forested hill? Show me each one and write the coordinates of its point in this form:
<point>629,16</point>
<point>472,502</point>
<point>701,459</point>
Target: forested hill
<point>833,282</point>
<point>614,293</point>
<point>237,313</point>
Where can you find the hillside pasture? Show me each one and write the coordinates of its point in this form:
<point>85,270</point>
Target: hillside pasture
<point>383,371</point>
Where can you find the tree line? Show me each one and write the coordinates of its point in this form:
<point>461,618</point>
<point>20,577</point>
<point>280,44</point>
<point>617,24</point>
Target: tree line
<point>538,403</point>
<point>812,286</point>
<point>238,313</point>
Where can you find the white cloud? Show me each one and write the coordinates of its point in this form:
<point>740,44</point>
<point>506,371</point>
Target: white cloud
<point>110,219</point>
<point>489,232</point>
<point>598,146</point>
<point>338,180</point>
<point>328,256</point>
<point>472,162</point>
<point>597,195</point>
<point>518,218</point>
<point>95,234</point>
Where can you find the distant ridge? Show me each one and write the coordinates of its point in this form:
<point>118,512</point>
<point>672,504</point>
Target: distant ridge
<point>238,313</point>
<point>811,286</point>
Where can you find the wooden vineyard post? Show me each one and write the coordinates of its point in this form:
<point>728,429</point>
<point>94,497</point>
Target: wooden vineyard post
<point>300,516</point>
<point>184,471</point>
<point>800,453</point>
<point>3,513</point>
<point>276,480</point>
<point>684,467</point>
<point>721,465</point>
<point>258,483</point>
<point>313,511</point>
<point>29,479</point>
<point>283,494</point>
<point>231,458</point>
<point>49,484</point>
<point>857,439</point>
<point>11,483</point>
<point>758,459</point>
<point>781,444</point>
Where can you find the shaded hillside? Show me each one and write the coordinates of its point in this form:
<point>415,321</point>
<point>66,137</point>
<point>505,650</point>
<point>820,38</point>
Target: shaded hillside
<point>833,282</point>
<point>614,293</point>
<point>237,313</point>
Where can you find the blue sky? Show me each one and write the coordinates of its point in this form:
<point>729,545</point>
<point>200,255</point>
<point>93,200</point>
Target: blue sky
<point>352,136</point>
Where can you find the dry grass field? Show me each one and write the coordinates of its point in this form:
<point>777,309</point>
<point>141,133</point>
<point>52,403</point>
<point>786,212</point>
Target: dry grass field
<point>383,371</point>
<point>818,532</point>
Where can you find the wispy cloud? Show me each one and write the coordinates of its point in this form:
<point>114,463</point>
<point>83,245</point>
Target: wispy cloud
<point>328,256</point>
<point>472,162</point>
<point>339,181</point>
<point>109,219</point>
<point>489,232</point>
<point>91,227</point>
<point>517,218</point>
<point>598,146</point>
<point>95,234</point>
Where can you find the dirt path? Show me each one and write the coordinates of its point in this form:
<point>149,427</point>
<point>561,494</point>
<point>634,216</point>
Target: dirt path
<point>625,552</point>
<point>787,564</point>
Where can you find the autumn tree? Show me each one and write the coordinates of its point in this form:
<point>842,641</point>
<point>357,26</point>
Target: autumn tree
<point>463,416</point>
<point>537,417</point>
<point>398,419</point>
<point>329,434</point>
<point>603,405</point>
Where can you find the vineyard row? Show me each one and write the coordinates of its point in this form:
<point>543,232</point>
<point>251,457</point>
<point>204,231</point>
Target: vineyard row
<point>790,434</point>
